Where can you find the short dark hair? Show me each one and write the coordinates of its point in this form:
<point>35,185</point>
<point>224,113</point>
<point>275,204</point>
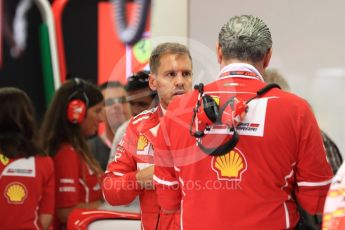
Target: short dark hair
<point>139,80</point>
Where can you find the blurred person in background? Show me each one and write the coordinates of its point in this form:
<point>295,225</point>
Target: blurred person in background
<point>117,111</point>
<point>72,117</point>
<point>26,172</point>
<point>140,97</point>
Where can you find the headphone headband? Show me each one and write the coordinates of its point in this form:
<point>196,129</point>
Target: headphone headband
<point>79,89</point>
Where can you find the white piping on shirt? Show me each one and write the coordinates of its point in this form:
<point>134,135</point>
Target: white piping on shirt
<point>36,217</point>
<point>118,174</point>
<point>160,181</point>
<point>287,219</point>
<point>141,118</point>
<point>312,184</point>
<point>287,216</point>
<point>87,192</point>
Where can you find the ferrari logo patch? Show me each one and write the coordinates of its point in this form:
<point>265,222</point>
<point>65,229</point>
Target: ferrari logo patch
<point>4,160</point>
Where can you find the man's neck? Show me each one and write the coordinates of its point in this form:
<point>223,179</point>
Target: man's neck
<point>257,65</point>
<point>109,133</point>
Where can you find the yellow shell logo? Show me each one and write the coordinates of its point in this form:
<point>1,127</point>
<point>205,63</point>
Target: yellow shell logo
<point>16,193</point>
<point>230,166</point>
<point>142,143</point>
<point>216,99</point>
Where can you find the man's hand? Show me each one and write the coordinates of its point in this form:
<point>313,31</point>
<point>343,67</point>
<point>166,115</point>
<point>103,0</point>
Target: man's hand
<point>145,178</point>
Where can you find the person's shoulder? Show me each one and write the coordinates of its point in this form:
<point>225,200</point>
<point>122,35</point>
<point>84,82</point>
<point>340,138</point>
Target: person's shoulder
<point>66,151</point>
<point>44,162</point>
<point>289,98</point>
<point>43,158</point>
<point>146,118</point>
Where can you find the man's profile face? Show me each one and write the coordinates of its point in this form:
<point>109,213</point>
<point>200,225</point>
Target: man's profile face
<point>173,77</point>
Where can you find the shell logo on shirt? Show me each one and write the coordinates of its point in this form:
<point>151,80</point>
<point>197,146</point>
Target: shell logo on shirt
<point>230,166</point>
<point>142,142</point>
<point>216,99</point>
<point>15,193</point>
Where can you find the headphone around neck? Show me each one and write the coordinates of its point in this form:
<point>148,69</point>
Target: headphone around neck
<point>78,103</point>
<point>231,114</point>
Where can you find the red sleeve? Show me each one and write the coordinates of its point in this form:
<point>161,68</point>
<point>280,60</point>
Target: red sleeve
<point>119,184</point>
<point>46,205</point>
<point>67,169</point>
<point>313,172</point>
<point>165,179</point>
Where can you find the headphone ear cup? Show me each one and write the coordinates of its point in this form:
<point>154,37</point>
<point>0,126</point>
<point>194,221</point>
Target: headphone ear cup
<point>234,110</point>
<point>209,111</point>
<point>226,112</point>
<point>240,110</point>
<point>76,111</point>
<point>226,115</point>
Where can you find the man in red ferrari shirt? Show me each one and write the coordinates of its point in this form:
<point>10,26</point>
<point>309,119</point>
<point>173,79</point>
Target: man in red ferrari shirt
<point>130,174</point>
<point>238,168</point>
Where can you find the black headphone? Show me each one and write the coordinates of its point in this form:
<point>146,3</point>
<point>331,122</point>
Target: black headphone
<point>231,113</point>
<point>77,106</point>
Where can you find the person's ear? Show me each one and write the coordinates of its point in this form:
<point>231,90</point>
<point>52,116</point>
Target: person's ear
<point>267,58</point>
<point>152,82</point>
<point>219,53</point>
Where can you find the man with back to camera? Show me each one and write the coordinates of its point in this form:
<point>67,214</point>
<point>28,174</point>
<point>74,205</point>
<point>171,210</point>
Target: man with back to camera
<point>237,161</point>
<point>130,174</point>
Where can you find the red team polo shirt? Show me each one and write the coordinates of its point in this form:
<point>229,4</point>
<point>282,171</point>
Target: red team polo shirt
<point>75,181</point>
<point>134,153</point>
<point>280,151</point>
<point>26,190</point>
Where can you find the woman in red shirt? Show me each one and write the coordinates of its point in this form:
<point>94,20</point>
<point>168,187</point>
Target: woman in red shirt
<point>73,116</point>
<point>26,173</point>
